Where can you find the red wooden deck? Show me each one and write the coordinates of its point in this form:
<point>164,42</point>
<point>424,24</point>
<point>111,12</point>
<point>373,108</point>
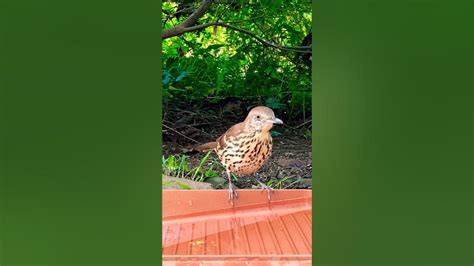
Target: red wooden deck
<point>201,227</point>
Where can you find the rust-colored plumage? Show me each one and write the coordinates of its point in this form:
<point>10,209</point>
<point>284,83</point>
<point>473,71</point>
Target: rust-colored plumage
<point>245,147</point>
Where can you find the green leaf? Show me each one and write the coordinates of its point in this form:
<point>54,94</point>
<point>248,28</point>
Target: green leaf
<point>275,133</point>
<point>182,75</point>
<point>274,103</point>
<point>210,173</point>
<point>183,186</point>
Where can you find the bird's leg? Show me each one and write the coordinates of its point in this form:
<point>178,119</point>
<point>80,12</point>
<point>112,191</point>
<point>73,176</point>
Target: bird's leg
<point>265,187</point>
<point>232,192</point>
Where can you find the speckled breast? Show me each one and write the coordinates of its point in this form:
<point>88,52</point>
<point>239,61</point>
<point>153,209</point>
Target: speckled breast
<point>245,153</point>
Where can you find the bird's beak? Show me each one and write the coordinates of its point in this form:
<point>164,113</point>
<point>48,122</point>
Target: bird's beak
<point>276,121</point>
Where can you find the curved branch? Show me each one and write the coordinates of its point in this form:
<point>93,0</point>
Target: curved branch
<point>299,49</point>
<point>178,30</point>
<point>186,26</point>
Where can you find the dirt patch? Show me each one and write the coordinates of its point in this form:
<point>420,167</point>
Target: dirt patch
<point>288,167</point>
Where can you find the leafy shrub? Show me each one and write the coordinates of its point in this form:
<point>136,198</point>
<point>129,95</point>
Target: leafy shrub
<point>216,63</point>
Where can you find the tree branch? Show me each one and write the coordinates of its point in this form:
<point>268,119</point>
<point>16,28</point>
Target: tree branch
<point>178,30</point>
<point>299,49</point>
<point>186,26</point>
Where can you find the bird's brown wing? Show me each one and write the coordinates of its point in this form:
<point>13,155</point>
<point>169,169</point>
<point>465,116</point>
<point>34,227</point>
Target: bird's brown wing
<point>231,132</point>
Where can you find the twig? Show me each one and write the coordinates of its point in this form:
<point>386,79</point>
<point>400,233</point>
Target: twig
<point>179,133</point>
<point>178,30</point>
<point>304,123</point>
<point>180,11</point>
<point>202,131</point>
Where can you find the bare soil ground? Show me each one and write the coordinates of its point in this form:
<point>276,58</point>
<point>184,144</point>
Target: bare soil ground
<point>288,167</point>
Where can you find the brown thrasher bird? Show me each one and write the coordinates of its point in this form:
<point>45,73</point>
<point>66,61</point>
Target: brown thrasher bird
<point>245,147</point>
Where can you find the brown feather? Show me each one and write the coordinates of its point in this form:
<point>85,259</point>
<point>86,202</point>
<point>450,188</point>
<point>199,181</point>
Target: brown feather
<point>245,147</point>
<point>231,132</point>
<point>206,146</point>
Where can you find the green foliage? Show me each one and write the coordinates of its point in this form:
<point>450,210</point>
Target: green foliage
<point>183,186</point>
<point>178,166</point>
<point>308,135</point>
<point>277,183</point>
<point>217,62</point>
<point>175,165</point>
<point>274,103</point>
<point>275,133</point>
<point>234,177</point>
<point>282,183</point>
<point>197,174</point>
<point>172,184</point>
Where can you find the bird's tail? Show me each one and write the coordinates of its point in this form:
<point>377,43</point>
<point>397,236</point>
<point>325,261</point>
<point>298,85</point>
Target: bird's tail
<point>206,147</point>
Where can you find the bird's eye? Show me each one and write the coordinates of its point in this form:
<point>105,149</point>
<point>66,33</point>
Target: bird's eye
<point>258,117</point>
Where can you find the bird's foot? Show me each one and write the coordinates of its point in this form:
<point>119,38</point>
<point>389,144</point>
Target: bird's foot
<point>232,194</point>
<point>267,188</point>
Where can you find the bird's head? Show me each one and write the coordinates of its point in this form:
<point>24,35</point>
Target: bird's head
<point>261,118</point>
